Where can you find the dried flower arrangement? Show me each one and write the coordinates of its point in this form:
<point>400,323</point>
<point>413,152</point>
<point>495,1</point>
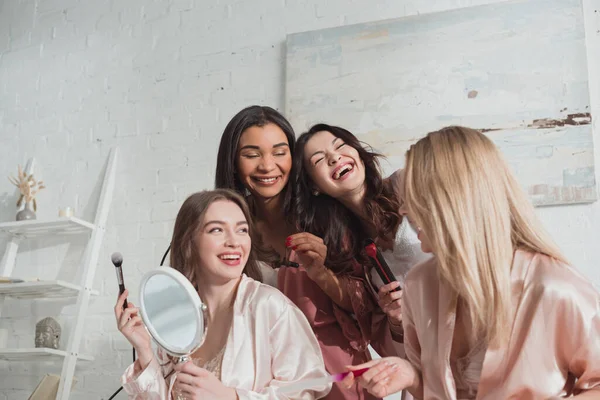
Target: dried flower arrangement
<point>28,187</point>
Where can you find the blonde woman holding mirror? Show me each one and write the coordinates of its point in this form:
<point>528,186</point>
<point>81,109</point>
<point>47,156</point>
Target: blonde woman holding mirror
<point>498,312</point>
<point>257,340</point>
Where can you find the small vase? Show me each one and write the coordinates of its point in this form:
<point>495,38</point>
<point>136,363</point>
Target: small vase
<point>26,213</point>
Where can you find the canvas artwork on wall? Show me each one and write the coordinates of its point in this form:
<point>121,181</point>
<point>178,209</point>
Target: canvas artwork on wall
<point>515,70</point>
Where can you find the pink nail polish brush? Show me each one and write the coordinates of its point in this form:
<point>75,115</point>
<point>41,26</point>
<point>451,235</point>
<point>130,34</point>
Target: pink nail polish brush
<point>316,383</point>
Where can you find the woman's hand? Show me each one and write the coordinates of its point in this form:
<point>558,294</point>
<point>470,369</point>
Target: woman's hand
<point>311,252</point>
<point>197,383</point>
<point>390,302</point>
<point>385,376</point>
<point>131,326</point>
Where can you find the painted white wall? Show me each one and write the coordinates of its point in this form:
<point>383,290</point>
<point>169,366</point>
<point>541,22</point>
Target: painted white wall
<point>160,80</point>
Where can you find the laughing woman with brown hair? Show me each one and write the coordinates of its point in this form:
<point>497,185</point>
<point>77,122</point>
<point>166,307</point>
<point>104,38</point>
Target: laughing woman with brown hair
<point>343,197</point>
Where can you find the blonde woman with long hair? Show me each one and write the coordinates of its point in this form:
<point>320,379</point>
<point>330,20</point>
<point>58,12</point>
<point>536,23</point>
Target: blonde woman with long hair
<point>498,312</point>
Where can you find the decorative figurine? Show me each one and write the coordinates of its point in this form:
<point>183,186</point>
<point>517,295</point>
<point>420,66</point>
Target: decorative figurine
<point>47,333</point>
<point>29,188</point>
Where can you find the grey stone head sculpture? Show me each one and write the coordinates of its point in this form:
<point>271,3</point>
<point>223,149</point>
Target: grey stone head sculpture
<point>47,333</point>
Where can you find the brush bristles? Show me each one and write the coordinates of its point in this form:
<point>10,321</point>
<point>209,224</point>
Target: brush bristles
<point>117,259</point>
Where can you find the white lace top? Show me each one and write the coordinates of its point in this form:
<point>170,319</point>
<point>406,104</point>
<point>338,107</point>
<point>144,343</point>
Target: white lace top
<point>467,371</point>
<point>213,365</point>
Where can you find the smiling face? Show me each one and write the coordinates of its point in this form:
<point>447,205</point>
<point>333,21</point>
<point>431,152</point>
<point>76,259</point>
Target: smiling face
<point>223,242</point>
<point>335,168</point>
<point>264,160</point>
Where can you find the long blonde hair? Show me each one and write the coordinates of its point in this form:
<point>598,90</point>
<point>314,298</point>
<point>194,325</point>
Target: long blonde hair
<point>460,191</point>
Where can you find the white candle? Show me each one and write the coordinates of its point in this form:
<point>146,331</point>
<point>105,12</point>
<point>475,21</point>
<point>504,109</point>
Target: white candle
<point>65,212</point>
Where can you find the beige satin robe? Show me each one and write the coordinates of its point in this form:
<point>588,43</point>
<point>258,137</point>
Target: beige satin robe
<point>554,347</point>
<point>270,345</point>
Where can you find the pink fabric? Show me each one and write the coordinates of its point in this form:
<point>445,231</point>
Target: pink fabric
<point>554,344</point>
<point>340,336</point>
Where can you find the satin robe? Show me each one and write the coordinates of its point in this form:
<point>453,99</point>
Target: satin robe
<point>340,339</point>
<point>554,346</point>
<point>270,345</point>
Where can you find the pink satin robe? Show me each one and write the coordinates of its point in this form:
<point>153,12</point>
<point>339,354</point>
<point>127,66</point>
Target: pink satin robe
<point>343,338</point>
<point>270,345</point>
<point>554,347</point>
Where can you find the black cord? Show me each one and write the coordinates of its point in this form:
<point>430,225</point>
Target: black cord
<point>169,374</point>
<point>115,393</point>
<point>165,255</point>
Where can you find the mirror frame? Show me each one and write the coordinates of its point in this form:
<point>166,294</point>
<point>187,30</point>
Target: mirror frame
<point>192,294</point>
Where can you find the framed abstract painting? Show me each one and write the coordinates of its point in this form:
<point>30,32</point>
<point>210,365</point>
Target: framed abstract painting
<point>515,70</point>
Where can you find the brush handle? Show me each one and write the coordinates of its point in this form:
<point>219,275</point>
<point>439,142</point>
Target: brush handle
<point>121,290</point>
<point>357,373</point>
<point>286,263</point>
<point>121,283</point>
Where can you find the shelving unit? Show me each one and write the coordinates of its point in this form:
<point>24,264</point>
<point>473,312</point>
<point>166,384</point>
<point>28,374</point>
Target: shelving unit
<point>41,290</point>
<point>35,228</point>
<point>58,289</point>
<point>38,354</point>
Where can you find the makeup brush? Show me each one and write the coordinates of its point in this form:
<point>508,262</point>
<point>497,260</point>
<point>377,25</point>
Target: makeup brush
<point>286,262</point>
<point>318,382</point>
<point>117,260</point>
<point>379,263</point>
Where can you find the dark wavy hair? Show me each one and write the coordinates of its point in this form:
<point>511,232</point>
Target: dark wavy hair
<point>184,253</point>
<point>342,231</point>
<point>226,176</point>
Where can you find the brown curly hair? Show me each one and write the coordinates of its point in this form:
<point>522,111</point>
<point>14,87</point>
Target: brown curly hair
<point>342,231</point>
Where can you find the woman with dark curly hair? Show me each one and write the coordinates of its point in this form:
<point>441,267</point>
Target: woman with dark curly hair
<point>342,197</point>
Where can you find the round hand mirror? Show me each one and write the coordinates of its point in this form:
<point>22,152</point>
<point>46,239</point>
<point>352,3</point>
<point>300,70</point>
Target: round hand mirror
<point>172,312</point>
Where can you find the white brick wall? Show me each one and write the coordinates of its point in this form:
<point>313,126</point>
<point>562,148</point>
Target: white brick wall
<point>160,80</point>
